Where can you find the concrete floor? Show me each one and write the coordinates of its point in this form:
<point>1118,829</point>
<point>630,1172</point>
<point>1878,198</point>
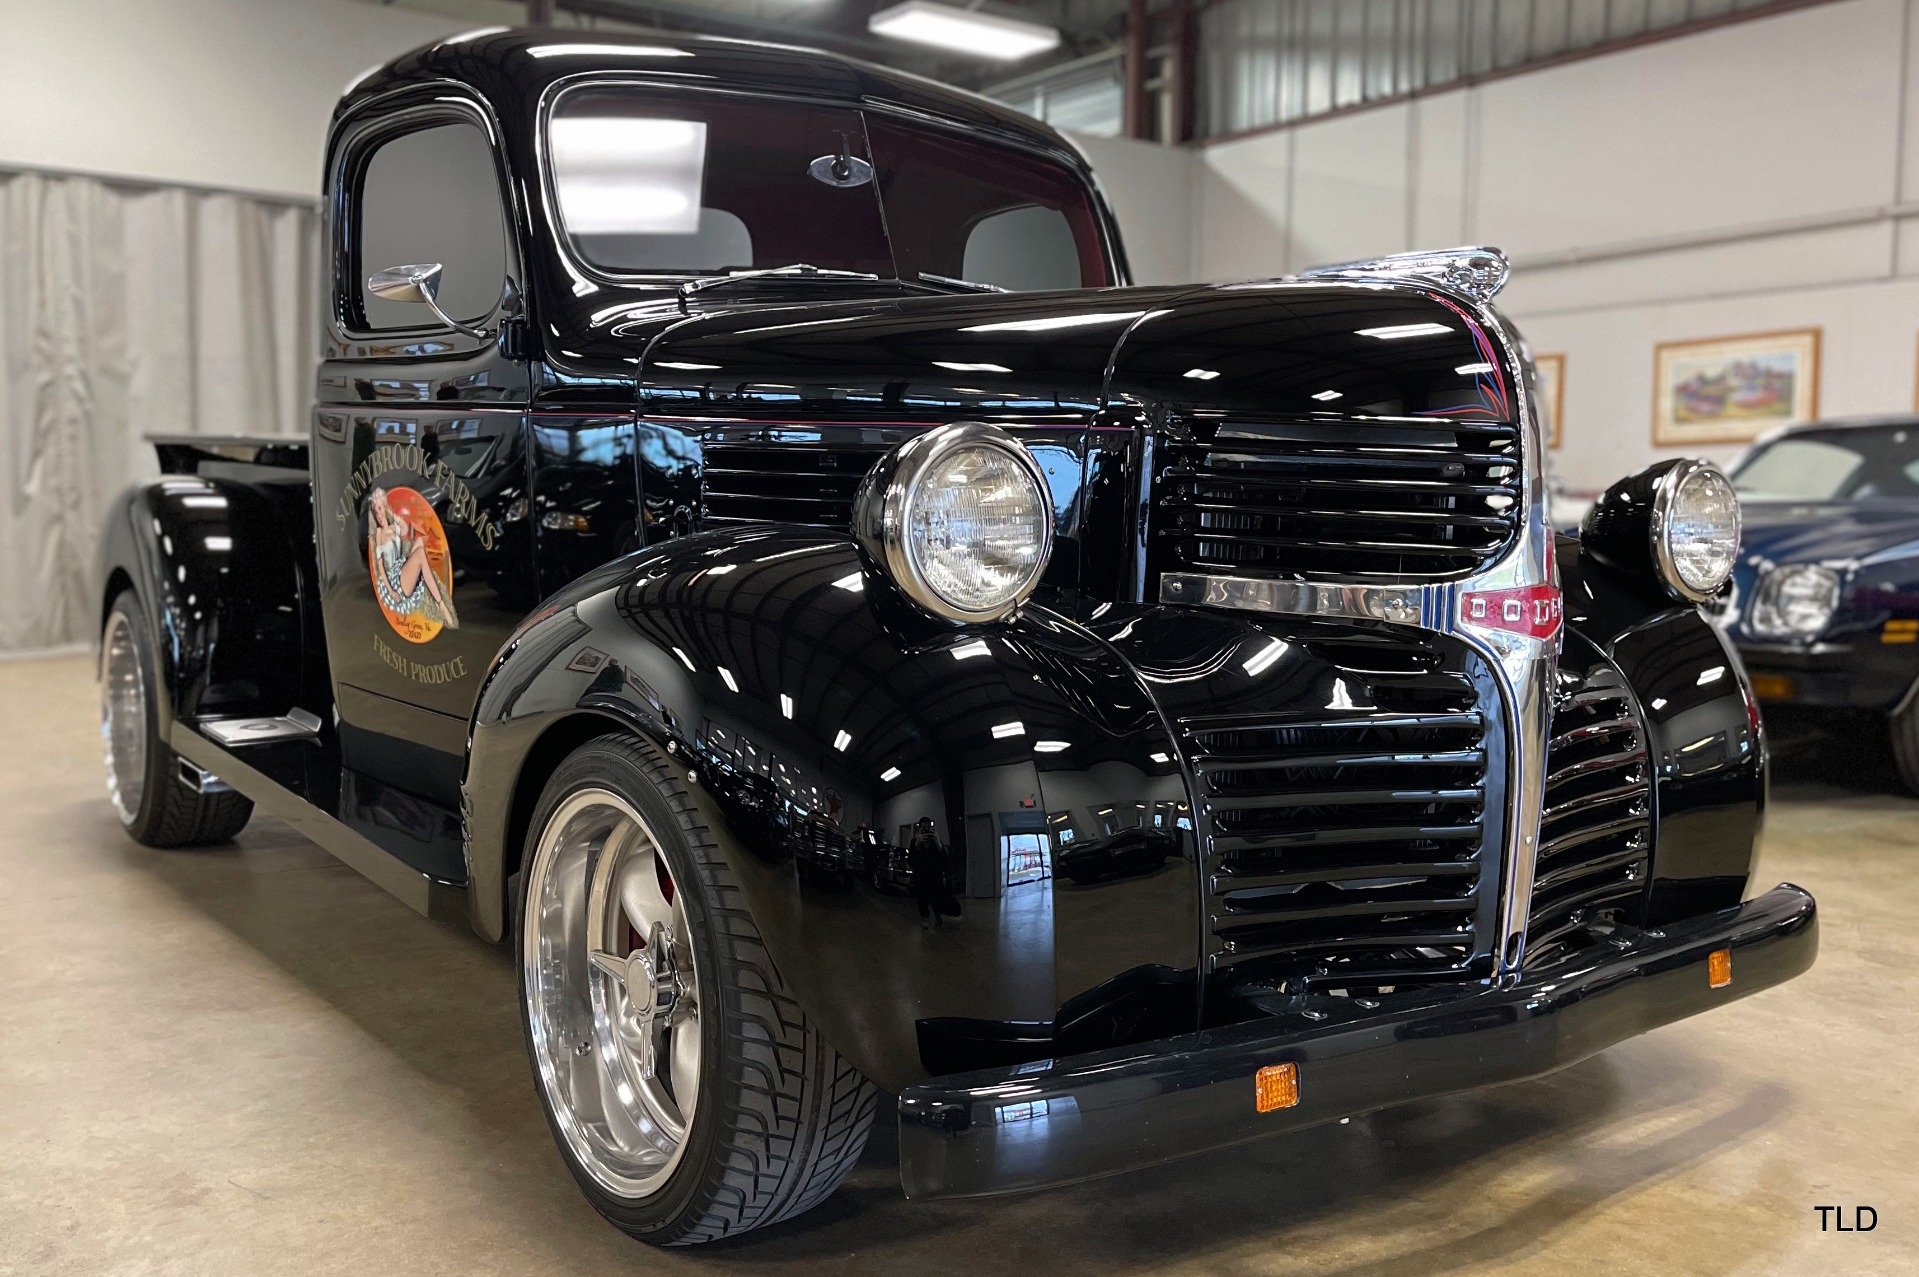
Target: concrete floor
<point>250,1060</point>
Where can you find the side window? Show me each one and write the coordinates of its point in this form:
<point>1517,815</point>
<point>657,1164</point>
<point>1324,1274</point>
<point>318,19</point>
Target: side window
<point>433,195</point>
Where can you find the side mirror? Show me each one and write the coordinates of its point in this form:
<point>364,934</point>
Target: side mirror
<point>419,282</point>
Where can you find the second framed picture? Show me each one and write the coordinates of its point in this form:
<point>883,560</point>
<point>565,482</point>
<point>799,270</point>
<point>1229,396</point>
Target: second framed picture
<point>1732,389</point>
<point>1550,373</point>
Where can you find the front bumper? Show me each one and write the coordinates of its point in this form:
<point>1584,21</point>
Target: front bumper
<point>1056,1122</point>
<point>1865,674</point>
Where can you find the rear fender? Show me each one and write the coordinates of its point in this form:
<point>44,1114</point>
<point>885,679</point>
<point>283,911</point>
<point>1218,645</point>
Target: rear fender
<point>223,569</point>
<point>789,679</point>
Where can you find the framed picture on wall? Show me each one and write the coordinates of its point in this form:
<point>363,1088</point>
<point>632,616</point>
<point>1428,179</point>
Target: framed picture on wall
<point>1732,389</point>
<point>1550,373</point>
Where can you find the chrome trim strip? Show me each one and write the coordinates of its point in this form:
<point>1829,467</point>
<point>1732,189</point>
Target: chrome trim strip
<point>1525,667</point>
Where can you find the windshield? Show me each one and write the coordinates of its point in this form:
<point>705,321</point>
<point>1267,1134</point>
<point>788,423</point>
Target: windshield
<point>1834,465</point>
<point>654,183</point>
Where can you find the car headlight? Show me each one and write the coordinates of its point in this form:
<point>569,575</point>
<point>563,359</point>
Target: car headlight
<point>1678,520</point>
<point>961,519</point>
<point>1795,601</point>
<point>1695,528</point>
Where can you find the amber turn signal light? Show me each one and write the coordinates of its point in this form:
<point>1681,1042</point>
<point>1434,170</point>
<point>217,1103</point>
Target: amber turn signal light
<point>1276,1087</point>
<point>1719,968</point>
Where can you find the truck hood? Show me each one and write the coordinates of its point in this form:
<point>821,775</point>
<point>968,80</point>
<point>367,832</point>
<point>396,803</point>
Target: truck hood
<point>1282,347</point>
<point>1829,531</point>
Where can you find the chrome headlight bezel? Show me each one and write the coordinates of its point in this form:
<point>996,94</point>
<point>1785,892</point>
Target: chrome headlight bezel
<point>1666,496</point>
<point>1766,618</point>
<point>883,508</point>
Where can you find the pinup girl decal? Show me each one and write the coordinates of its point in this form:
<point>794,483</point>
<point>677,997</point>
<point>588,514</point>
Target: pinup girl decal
<point>407,556</point>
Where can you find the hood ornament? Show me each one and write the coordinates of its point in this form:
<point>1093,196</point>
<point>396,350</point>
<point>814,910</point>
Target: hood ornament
<point>1479,273</point>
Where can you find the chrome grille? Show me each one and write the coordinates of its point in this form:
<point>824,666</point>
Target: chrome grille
<point>783,477</point>
<point>1385,501</point>
<point>1595,840</point>
<point>1351,848</point>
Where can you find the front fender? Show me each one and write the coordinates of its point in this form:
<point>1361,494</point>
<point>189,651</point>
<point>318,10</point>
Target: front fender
<point>1708,754</point>
<point>793,682</point>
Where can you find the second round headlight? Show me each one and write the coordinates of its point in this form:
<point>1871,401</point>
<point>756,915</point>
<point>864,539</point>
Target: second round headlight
<point>962,520</point>
<point>1695,529</point>
<point>1794,601</point>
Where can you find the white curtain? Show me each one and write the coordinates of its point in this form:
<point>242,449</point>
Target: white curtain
<point>127,311</point>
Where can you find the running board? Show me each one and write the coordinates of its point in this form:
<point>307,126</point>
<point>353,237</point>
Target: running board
<point>295,724</point>
<point>429,897</point>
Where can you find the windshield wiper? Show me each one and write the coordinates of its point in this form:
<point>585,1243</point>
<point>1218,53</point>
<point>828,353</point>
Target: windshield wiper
<point>971,285</point>
<point>801,270</point>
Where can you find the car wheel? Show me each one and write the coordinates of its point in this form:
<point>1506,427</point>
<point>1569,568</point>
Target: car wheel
<point>146,779</point>
<point>688,1093</point>
<point>1904,729</point>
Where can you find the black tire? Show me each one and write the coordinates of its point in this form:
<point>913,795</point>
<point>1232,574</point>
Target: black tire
<point>170,811</point>
<point>1903,727</point>
<point>781,1117</point>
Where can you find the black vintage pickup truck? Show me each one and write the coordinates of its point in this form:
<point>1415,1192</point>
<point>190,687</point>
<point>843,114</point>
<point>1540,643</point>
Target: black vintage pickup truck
<point>727,460</point>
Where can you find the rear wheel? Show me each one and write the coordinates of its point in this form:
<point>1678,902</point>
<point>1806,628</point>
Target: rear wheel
<point>160,798</point>
<point>690,1097</point>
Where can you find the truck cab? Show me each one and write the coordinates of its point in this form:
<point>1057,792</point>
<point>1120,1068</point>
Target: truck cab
<point>728,459</point>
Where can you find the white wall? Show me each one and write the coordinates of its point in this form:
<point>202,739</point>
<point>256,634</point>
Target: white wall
<point>1808,116</point>
<point>229,93</point>
<point>1152,189</point>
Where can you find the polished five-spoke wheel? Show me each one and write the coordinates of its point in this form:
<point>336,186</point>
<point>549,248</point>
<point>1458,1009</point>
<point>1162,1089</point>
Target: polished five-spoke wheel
<point>688,1092</point>
<point>613,992</point>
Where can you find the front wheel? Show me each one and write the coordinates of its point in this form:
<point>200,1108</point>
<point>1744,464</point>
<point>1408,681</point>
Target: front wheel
<point>690,1097</point>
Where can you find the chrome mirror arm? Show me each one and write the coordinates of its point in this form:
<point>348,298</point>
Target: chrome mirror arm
<point>419,282</point>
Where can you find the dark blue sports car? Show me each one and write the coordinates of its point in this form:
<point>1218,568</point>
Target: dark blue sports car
<point>1824,602</point>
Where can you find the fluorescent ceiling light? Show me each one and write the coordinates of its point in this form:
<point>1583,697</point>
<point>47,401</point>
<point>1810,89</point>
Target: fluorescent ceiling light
<point>723,569</point>
<point>1394,332</point>
<point>667,363</point>
<point>686,660</point>
<point>204,503</point>
<point>786,702</point>
<point>1201,374</point>
<point>1051,746</point>
<point>984,35</point>
<point>890,774</point>
<point>1327,396</point>
<point>941,363</point>
<point>852,582</point>
<point>1469,370</point>
<point>1160,758</point>
<point>1002,730</point>
<point>219,544</point>
<point>1257,663</point>
<point>976,648</point>
<point>1056,321</point>
<point>726,676</point>
<point>1712,675</point>
<point>842,740</point>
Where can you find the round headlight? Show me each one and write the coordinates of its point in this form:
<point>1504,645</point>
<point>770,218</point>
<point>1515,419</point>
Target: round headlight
<point>1695,529</point>
<point>962,520</point>
<point>1795,601</point>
